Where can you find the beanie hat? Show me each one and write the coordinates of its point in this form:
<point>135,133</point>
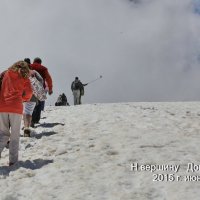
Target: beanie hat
<point>37,60</point>
<point>27,60</point>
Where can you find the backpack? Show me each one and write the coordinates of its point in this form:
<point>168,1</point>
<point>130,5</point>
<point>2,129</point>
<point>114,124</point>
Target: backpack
<point>76,85</point>
<point>82,91</point>
<point>38,89</point>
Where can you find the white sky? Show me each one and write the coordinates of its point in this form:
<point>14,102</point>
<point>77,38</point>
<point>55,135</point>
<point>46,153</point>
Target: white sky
<point>90,158</point>
<point>146,51</point>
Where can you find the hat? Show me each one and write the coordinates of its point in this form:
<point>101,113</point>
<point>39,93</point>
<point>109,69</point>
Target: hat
<point>27,60</point>
<point>37,60</point>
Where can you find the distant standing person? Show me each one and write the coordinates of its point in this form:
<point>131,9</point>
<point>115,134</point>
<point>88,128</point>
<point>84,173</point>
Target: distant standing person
<point>15,89</point>
<point>78,90</point>
<point>43,71</point>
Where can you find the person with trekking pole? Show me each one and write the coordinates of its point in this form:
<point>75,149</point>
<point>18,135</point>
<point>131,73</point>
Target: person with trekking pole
<point>78,90</point>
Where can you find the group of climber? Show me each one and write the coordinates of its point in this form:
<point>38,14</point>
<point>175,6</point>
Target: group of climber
<point>19,97</point>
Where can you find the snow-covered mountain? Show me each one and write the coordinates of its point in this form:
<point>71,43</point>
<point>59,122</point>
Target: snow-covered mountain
<point>124,151</point>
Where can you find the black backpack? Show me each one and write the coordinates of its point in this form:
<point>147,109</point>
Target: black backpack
<point>76,85</point>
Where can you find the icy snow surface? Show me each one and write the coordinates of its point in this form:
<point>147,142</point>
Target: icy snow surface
<point>86,153</point>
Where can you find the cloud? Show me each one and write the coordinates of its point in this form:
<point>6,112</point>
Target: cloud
<point>146,50</point>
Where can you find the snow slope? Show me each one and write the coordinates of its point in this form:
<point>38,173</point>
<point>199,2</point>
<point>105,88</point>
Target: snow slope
<point>86,153</point>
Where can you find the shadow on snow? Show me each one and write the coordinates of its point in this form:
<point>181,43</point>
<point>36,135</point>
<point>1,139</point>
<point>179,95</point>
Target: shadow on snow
<point>42,134</point>
<point>49,125</point>
<point>35,164</point>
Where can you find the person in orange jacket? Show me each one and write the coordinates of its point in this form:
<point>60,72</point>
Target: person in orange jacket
<point>15,89</point>
<point>43,71</point>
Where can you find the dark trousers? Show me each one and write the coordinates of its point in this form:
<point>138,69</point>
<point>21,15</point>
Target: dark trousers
<point>37,112</point>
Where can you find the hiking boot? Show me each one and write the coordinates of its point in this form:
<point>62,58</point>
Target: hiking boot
<point>27,132</point>
<point>32,124</point>
<point>7,145</point>
<point>11,163</point>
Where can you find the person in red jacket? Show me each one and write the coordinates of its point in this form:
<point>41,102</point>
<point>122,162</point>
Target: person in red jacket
<point>15,89</point>
<point>43,71</point>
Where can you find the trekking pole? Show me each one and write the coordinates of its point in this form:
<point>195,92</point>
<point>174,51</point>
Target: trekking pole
<point>95,79</point>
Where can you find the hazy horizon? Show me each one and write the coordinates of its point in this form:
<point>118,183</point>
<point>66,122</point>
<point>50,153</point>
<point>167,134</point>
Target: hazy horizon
<point>146,50</point>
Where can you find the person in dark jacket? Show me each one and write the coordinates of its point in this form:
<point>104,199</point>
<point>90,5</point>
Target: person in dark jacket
<point>43,71</point>
<point>78,90</point>
<point>62,100</point>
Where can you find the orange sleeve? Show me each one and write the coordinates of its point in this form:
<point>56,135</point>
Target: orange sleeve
<point>27,91</point>
<point>48,80</point>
